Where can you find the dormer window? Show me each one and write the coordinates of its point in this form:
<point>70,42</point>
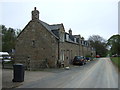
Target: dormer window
<point>75,40</point>
<point>67,37</point>
<point>85,43</point>
<point>82,42</point>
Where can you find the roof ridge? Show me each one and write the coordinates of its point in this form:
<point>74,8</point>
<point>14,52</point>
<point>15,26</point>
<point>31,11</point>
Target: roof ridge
<point>50,24</point>
<point>55,24</point>
<point>44,22</point>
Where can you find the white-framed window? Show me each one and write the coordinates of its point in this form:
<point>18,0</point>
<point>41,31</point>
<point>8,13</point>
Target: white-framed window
<point>67,37</point>
<point>62,55</point>
<point>75,40</point>
<point>62,37</point>
<point>85,43</point>
<point>82,42</point>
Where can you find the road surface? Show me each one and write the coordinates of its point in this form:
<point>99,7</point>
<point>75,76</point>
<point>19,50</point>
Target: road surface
<point>95,74</point>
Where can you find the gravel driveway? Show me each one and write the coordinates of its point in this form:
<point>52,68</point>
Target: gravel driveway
<point>30,76</point>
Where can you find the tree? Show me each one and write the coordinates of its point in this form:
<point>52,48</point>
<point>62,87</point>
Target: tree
<point>9,36</point>
<point>114,44</point>
<point>99,43</point>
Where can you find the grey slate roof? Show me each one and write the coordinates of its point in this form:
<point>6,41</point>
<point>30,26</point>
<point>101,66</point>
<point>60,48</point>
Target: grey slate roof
<point>56,32</point>
<point>55,26</point>
<point>45,25</point>
<point>52,28</point>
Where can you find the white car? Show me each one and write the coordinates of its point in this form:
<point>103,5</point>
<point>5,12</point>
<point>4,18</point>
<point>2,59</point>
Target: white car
<point>4,56</point>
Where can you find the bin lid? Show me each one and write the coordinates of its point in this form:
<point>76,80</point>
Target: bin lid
<point>19,64</point>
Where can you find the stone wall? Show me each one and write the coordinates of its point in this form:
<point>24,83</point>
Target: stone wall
<point>69,50</point>
<point>36,45</point>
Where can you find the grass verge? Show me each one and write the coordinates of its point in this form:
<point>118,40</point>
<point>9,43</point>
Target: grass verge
<point>116,61</point>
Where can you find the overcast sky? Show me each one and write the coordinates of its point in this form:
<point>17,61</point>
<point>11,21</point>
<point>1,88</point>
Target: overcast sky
<point>84,17</point>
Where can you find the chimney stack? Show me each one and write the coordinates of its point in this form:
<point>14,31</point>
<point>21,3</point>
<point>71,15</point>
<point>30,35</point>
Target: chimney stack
<point>70,31</point>
<point>35,14</point>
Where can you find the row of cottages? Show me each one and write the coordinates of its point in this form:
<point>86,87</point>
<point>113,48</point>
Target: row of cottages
<point>39,42</point>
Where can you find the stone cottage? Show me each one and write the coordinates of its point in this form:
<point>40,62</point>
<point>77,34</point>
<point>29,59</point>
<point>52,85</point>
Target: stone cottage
<point>42,44</point>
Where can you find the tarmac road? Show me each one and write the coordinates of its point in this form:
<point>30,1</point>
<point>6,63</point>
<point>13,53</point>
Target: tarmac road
<point>95,74</point>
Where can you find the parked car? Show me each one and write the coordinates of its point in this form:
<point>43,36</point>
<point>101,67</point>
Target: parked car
<point>88,58</point>
<point>4,57</point>
<point>97,56</point>
<point>79,60</point>
<point>115,55</point>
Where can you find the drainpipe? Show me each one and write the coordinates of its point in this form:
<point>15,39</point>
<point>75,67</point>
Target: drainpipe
<point>57,64</point>
<point>82,50</point>
<point>79,48</point>
<point>58,49</point>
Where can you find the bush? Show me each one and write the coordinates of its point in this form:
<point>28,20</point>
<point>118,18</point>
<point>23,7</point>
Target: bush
<point>88,56</point>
